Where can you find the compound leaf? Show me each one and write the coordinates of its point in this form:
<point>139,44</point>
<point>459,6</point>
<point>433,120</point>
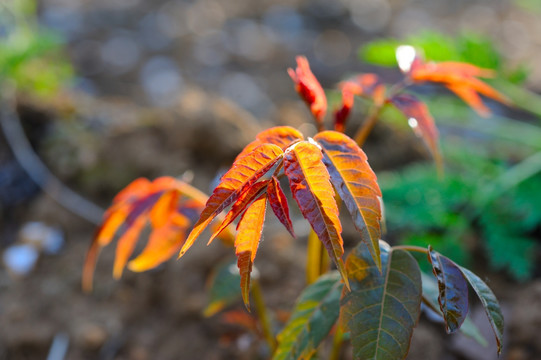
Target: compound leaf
<point>310,184</point>
<point>315,313</point>
<point>244,173</point>
<point>356,184</point>
<point>383,307</point>
<point>453,290</point>
<point>167,203</point>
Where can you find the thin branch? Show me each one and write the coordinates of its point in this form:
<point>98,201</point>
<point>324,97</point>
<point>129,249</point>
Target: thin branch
<point>36,169</point>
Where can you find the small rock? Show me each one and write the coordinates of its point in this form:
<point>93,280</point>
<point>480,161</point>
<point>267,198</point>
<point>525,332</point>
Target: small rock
<point>90,336</point>
<point>20,259</point>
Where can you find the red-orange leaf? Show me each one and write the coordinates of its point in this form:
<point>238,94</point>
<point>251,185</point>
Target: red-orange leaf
<point>281,136</point>
<point>310,184</point>
<point>361,85</point>
<point>421,122</point>
<point>341,115</point>
<point>244,199</point>
<point>126,245</point>
<point>245,171</point>
<point>356,184</point>
<point>163,243</point>
<point>461,79</point>
<point>278,203</point>
<point>160,201</point>
<point>163,208</point>
<point>249,233</point>
<point>309,89</point>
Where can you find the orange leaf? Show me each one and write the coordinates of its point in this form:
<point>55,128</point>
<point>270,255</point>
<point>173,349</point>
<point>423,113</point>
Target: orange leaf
<point>244,199</point>
<point>126,245</point>
<point>163,208</point>
<point>278,203</point>
<point>131,209</point>
<point>361,85</point>
<point>163,243</point>
<point>309,89</point>
<point>249,233</point>
<point>245,171</point>
<point>421,122</point>
<point>461,79</point>
<point>356,184</point>
<point>341,115</point>
<point>281,136</point>
<point>366,85</point>
<point>310,184</point>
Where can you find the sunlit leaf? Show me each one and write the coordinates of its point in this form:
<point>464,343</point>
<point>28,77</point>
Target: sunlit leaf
<point>243,201</point>
<point>490,304</point>
<point>164,242</point>
<point>315,313</point>
<point>278,203</point>
<point>309,89</point>
<point>461,78</point>
<point>420,121</point>
<point>383,307</point>
<point>281,136</point>
<point>356,184</point>
<point>453,290</point>
<point>362,85</point>
<point>342,114</point>
<point>249,233</point>
<point>310,184</point>
<point>163,208</point>
<point>223,287</point>
<point>126,245</point>
<point>244,172</point>
<point>430,299</point>
<point>162,203</point>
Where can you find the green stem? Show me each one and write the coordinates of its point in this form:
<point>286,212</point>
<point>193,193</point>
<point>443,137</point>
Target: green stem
<point>411,248</point>
<point>261,311</point>
<point>368,125</point>
<point>313,258</point>
<point>337,341</point>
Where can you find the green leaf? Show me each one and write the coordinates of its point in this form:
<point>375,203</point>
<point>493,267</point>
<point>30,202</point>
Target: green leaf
<point>430,299</point>
<point>453,290</point>
<point>315,313</point>
<point>490,303</point>
<point>223,287</point>
<point>380,52</point>
<point>382,308</point>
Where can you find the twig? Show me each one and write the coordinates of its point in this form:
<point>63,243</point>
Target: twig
<point>37,171</point>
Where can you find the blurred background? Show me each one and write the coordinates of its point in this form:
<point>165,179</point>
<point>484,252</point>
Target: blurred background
<point>97,93</point>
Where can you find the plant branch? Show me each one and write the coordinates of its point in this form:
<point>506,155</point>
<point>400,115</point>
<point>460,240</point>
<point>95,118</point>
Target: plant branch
<point>337,342</point>
<point>313,258</point>
<point>368,125</point>
<point>411,248</point>
<point>261,311</point>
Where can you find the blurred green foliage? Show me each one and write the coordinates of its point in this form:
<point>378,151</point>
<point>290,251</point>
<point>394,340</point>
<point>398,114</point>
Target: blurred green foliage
<point>466,47</point>
<point>468,204</point>
<point>31,57</point>
<point>490,193</point>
